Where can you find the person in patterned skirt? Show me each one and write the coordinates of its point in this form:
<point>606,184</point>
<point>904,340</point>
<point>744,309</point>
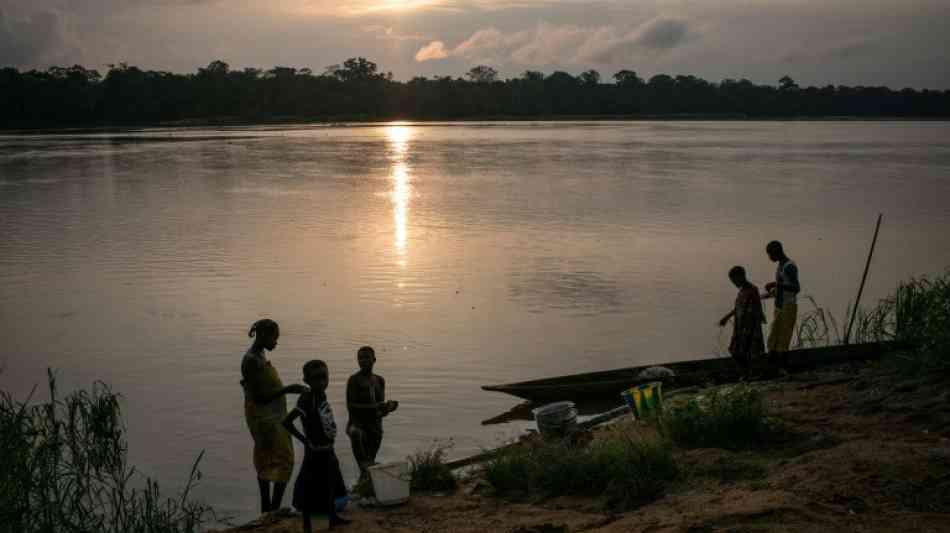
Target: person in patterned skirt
<point>747,340</point>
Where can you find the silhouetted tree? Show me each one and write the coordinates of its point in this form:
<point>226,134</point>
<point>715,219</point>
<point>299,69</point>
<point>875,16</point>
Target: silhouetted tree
<point>70,96</point>
<point>590,77</point>
<point>562,79</point>
<point>215,69</point>
<point>786,83</point>
<point>357,69</point>
<point>532,75</point>
<point>628,78</point>
<point>482,74</point>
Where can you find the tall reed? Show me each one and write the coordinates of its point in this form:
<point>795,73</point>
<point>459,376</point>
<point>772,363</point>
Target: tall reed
<point>917,313</point>
<point>922,317</point>
<point>817,327</point>
<point>65,469</point>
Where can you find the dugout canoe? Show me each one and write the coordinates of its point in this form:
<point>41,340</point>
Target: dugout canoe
<point>609,383</point>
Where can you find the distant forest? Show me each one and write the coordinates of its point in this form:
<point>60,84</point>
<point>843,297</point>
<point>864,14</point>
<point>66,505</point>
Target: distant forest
<point>355,90</point>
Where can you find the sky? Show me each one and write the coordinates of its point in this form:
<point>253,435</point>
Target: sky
<point>897,43</point>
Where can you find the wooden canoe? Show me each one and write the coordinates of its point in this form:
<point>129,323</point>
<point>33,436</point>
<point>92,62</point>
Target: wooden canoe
<point>607,385</point>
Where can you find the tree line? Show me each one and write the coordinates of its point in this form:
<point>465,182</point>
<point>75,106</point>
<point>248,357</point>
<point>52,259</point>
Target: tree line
<point>357,89</point>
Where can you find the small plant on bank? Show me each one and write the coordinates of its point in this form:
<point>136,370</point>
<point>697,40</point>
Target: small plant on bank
<point>65,469</point>
<point>817,327</point>
<point>733,418</point>
<point>429,471</point>
<point>626,470</point>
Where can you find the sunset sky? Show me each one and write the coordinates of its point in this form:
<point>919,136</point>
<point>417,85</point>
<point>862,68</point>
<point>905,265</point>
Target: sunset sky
<point>898,43</point>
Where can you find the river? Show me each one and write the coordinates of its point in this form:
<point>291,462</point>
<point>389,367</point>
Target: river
<point>465,253</point>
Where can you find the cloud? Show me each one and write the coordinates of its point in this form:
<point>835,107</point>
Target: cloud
<point>39,37</point>
<point>549,44</point>
<point>862,49</point>
<point>872,42</point>
<point>491,46</point>
<point>431,51</point>
<point>662,34</point>
<point>389,33</point>
<point>608,46</point>
<point>358,8</point>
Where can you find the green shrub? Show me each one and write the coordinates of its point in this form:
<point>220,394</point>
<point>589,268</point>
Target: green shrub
<point>922,318</point>
<point>626,470</point>
<point>65,469</point>
<point>429,471</point>
<point>733,418</point>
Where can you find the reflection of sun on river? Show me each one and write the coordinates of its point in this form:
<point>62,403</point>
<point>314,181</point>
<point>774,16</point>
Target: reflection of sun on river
<point>401,192</point>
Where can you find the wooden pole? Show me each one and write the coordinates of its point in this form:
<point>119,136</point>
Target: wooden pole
<point>857,301</point>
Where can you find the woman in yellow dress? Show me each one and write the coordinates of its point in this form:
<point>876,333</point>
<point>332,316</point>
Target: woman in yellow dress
<point>265,406</point>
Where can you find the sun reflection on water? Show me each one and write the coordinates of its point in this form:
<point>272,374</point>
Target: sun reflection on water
<point>399,137</point>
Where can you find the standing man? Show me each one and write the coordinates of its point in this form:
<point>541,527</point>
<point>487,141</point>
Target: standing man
<point>785,290</point>
<point>367,405</point>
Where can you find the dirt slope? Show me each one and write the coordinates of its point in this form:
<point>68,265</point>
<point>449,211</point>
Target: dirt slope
<point>869,451</point>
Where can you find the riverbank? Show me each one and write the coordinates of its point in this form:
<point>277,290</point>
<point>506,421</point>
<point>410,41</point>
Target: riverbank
<point>356,120</point>
<point>867,448</point>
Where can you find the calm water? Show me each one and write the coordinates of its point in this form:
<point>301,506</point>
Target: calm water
<point>467,254</point>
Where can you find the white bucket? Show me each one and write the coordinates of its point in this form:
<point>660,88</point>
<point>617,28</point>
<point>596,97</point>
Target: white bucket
<point>555,419</point>
<point>390,482</point>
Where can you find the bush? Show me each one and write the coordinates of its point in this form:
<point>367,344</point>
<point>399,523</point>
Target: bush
<point>733,418</point>
<point>626,470</point>
<point>922,318</point>
<point>429,471</point>
<point>65,469</point>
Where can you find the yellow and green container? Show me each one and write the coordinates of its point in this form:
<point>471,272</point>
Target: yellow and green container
<point>645,400</point>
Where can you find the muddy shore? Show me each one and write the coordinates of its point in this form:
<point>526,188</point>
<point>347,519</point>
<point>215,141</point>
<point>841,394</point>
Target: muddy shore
<point>868,450</point>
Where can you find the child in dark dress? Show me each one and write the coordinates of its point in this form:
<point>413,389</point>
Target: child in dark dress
<point>319,481</point>
<point>747,341</point>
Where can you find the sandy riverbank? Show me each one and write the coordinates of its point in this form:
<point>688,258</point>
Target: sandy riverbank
<point>869,450</point>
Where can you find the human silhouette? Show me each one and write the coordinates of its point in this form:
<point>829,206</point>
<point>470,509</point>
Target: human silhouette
<point>265,405</point>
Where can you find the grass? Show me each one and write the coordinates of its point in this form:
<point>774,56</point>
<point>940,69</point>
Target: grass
<point>922,319</point>
<point>733,418</point>
<point>817,327</point>
<point>625,469</point>
<point>65,469</point>
<point>917,313</point>
<point>429,471</point>
<point>820,327</point>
